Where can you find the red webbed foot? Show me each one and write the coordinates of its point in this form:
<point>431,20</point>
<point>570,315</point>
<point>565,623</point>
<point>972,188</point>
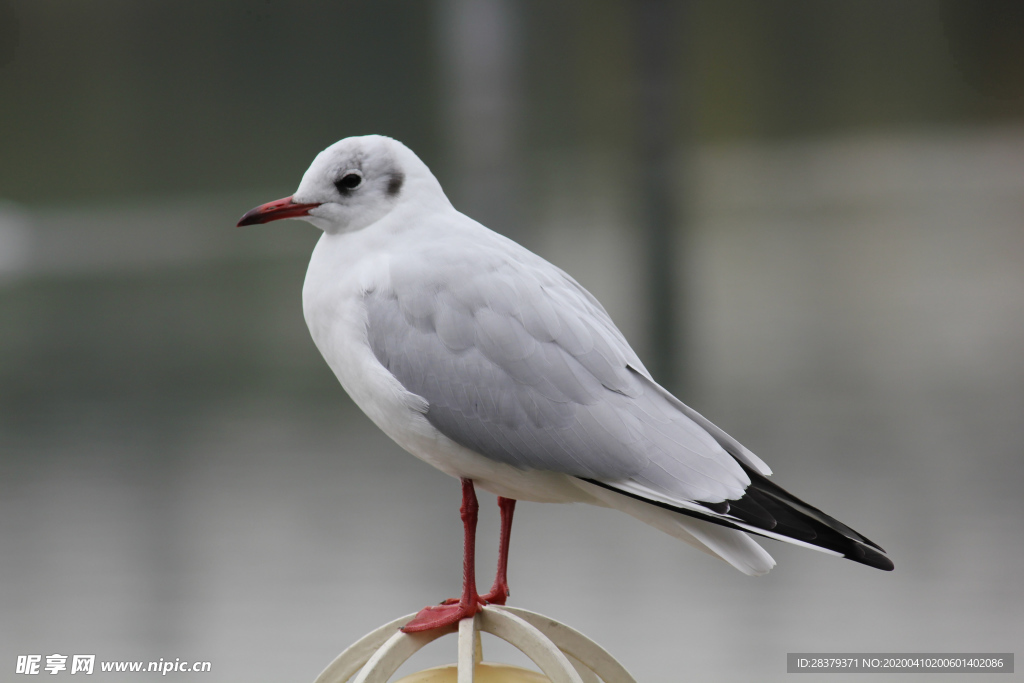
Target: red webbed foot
<point>448,613</point>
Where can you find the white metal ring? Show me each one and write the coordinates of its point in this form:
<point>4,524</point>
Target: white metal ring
<point>563,654</point>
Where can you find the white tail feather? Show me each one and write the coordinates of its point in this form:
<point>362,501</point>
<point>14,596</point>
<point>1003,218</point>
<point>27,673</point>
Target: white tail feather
<point>731,545</point>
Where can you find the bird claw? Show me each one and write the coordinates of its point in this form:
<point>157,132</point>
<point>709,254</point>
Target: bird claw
<point>444,615</point>
<point>497,595</point>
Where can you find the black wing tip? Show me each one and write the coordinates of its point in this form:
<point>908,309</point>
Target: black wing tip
<point>795,516</point>
<point>864,554</point>
<point>784,520</point>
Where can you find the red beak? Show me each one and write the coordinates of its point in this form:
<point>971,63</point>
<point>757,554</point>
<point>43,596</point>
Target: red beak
<point>275,211</point>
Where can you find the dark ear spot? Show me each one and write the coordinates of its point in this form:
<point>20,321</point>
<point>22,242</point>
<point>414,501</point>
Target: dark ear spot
<point>395,183</point>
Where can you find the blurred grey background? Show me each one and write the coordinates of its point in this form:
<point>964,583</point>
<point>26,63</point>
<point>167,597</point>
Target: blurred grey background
<point>806,216</point>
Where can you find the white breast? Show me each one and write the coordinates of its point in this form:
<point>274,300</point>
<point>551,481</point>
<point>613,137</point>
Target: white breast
<point>342,269</point>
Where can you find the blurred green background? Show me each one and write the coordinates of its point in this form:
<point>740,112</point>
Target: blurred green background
<point>823,200</point>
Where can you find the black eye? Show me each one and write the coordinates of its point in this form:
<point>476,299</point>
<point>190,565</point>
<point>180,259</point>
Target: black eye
<point>349,181</point>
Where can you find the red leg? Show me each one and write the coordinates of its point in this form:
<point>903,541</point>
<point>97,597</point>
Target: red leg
<point>499,591</point>
<point>450,612</point>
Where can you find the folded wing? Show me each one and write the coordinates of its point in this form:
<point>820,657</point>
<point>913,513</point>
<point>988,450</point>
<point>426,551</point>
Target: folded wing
<point>523,366</point>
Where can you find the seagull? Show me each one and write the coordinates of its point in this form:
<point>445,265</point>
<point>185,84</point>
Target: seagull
<point>496,367</point>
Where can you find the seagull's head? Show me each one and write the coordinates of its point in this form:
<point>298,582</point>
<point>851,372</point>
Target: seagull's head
<point>352,184</point>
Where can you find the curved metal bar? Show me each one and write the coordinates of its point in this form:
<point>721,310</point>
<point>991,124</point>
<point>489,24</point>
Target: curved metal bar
<point>562,653</point>
<point>572,642</point>
<point>530,641</point>
<point>383,649</point>
<point>394,652</point>
<point>585,672</point>
<point>470,653</point>
<point>358,653</point>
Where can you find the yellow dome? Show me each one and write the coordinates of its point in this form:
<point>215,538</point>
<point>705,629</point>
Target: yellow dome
<point>485,673</point>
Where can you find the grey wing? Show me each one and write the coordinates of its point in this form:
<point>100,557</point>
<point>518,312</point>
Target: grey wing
<point>518,363</point>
